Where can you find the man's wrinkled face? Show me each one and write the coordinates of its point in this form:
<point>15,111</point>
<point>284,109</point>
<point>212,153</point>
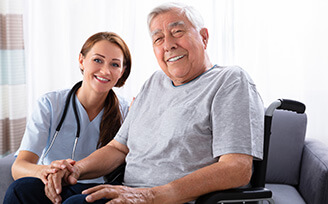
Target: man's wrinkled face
<point>178,46</point>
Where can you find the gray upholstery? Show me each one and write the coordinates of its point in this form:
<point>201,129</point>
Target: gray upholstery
<point>5,174</point>
<point>314,172</point>
<point>286,146</point>
<point>287,194</point>
<point>297,169</point>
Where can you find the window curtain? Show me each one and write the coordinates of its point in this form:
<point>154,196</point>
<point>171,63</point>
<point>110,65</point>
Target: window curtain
<point>12,79</point>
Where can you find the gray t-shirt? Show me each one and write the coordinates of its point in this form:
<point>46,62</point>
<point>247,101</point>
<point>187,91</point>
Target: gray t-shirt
<point>171,131</point>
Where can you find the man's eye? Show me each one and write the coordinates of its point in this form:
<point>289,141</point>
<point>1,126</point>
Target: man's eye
<point>157,40</point>
<point>177,32</point>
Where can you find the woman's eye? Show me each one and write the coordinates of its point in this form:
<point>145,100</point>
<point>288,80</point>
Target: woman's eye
<point>97,60</point>
<point>115,65</point>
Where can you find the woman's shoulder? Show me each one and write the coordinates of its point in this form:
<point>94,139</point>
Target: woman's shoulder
<point>123,101</point>
<point>54,97</point>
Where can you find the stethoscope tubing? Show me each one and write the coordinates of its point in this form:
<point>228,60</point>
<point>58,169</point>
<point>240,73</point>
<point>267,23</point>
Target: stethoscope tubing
<point>70,95</point>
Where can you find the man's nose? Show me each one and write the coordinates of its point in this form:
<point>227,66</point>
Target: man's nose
<point>169,43</point>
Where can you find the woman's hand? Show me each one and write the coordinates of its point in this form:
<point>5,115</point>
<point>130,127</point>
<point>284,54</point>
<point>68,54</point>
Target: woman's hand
<point>54,167</point>
<point>120,194</point>
<point>45,171</point>
<point>65,174</point>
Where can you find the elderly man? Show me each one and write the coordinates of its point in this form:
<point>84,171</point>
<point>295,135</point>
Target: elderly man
<point>194,128</point>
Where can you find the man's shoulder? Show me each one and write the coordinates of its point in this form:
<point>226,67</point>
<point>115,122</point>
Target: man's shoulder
<point>156,77</point>
<point>228,69</point>
<point>158,74</point>
<point>231,72</point>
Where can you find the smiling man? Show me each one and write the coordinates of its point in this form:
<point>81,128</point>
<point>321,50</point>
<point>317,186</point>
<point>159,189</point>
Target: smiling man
<point>179,46</point>
<point>194,128</point>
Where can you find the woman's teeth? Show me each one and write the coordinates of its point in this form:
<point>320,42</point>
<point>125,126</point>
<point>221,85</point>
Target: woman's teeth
<point>101,79</point>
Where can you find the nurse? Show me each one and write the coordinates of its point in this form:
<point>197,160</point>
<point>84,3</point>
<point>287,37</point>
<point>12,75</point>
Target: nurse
<point>105,62</point>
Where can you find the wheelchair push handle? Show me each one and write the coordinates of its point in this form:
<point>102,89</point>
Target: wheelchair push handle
<point>292,105</point>
<point>285,104</point>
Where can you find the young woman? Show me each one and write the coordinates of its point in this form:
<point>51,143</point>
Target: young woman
<point>105,62</point>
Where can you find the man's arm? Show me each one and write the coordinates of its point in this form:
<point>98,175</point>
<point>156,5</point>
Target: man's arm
<point>231,171</point>
<point>99,163</point>
<point>102,161</point>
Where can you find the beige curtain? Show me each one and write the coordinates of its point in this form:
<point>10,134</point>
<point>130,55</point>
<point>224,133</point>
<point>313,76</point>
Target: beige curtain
<point>12,76</point>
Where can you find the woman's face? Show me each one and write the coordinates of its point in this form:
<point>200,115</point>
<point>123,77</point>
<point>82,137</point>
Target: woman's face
<point>102,66</point>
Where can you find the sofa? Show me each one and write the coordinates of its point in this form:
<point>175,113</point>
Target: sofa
<point>297,171</point>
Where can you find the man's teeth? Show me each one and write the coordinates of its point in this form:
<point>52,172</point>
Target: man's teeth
<point>175,58</point>
<point>101,79</point>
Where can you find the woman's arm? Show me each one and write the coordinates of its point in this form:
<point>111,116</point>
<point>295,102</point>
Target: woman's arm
<point>26,165</point>
<point>99,163</point>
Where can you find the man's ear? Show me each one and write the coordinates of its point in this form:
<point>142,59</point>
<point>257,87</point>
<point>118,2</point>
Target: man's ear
<point>204,33</point>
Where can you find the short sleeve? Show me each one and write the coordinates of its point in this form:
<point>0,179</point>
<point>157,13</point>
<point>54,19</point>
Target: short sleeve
<point>37,128</point>
<point>123,133</point>
<point>237,117</point>
<point>124,106</point>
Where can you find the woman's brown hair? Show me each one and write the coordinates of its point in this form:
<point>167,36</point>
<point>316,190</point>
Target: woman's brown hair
<point>112,118</point>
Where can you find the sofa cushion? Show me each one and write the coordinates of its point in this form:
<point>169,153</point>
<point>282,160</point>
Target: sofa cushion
<point>282,194</point>
<point>5,176</point>
<point>286,146</point>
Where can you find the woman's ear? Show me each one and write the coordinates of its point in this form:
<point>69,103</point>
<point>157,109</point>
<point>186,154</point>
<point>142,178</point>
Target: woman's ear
<point>81,59</point>
<point>204,33</point>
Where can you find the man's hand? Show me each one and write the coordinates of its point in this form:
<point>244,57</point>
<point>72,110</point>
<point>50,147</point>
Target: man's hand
<point>120,194</point>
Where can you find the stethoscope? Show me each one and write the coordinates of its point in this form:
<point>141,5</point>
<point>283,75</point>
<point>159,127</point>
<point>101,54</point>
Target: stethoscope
<point>71,94</point>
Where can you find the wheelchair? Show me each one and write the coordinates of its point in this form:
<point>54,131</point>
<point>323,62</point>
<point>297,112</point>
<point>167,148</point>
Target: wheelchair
<point>256,193</point>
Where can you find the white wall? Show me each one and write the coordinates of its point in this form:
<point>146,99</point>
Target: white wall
<point>282,44</point>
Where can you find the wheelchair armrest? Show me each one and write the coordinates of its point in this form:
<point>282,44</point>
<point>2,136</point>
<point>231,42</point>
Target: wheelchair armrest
<point>116,176</point>
<point>235,194</point>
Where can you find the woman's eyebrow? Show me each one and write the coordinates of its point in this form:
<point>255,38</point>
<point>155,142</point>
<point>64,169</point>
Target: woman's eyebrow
<point>100,55</point>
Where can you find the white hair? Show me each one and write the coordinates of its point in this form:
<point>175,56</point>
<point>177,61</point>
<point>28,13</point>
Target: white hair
<point>192,14</point>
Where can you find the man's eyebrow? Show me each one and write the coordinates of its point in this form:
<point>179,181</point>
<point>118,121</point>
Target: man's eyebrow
<point>155,32</point>
<point>171,25</point>
<point>175,24</point>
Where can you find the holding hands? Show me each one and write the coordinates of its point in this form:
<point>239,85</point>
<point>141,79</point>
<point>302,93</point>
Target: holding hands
<point>62,173</point>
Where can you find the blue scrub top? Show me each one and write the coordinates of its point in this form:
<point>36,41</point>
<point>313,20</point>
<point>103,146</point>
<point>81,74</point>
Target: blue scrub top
<point>42,124</point>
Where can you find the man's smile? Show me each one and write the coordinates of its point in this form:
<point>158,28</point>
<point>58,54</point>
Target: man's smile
<point>173,59</point>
